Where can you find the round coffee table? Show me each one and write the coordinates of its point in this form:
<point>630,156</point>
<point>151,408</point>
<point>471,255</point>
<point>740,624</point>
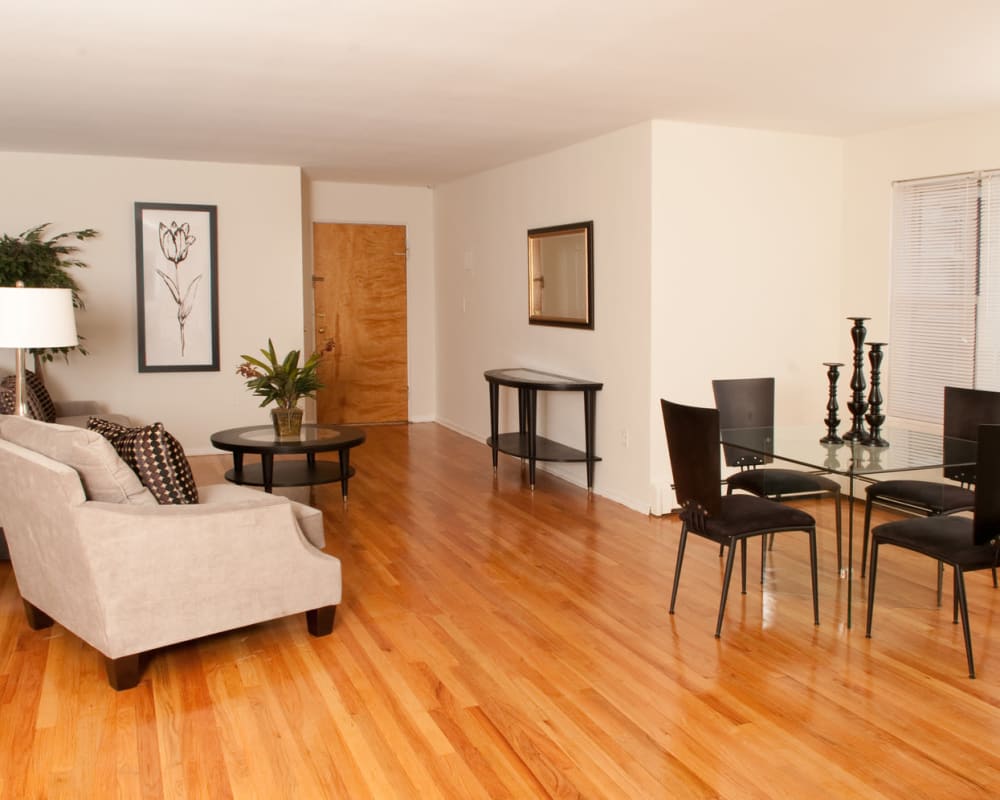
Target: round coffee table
<point>261,440</point>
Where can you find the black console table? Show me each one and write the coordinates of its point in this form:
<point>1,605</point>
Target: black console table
<point>526,443</point>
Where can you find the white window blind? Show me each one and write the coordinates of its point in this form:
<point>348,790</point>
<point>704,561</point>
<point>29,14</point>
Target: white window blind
<point>988,309</point>
<point>932,323</point>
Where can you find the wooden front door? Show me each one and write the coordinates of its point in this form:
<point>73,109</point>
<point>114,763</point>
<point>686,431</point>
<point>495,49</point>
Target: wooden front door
<point>359,291</point>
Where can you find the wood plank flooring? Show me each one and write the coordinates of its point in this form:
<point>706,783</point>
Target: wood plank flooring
<point>499,643</point>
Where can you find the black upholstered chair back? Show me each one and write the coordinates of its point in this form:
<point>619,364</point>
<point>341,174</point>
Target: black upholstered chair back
<point>746,403</point>
<point>964,411</point>
<point>693,445</point>
<point>986,525</point>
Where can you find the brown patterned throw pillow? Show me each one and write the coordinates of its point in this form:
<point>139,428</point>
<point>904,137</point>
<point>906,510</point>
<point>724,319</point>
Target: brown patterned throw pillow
<point>156,456</point>
<point>40,405</point>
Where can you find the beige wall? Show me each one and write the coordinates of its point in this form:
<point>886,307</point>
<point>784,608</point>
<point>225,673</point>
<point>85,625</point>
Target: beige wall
<point>260,277</point>
<point>413,207</point>
<point>745,264</point>
<point>481,226</point>
<point>873,162</point>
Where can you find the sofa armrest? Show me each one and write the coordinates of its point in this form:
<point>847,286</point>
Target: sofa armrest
<point>79,412</point>
<point>75,408</point>
<point>166,574</point>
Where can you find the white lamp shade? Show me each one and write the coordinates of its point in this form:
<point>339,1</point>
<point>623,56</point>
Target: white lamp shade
<point>37,318</point>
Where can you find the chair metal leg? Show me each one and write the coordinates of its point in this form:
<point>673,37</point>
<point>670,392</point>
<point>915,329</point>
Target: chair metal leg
<point>763,557</point>
<point>964,607</point>
<point>994,577</point>
<point>725,588</point>
<point>940,581</point>
<point>871,587</point>
<point>815,574</point>
<point>864,539</point>
<point>677,569</point>
<point>954,596</point>
<point>840,535</point>
<point>743,565</point>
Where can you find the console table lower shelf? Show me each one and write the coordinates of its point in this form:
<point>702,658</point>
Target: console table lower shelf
<point>517,444</point>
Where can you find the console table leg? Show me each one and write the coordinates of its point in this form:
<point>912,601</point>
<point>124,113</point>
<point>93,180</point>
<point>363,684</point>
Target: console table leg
<point>532,435</point>
<point>494,421</point>
<point>589,413</point>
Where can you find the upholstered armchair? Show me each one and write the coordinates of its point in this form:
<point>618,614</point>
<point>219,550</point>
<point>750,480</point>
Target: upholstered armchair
<point>92,550</point>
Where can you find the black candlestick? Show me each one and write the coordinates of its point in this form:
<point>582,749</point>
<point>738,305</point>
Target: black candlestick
<point>857,406</point>
<point>875,416</point>
<point>832,420</point>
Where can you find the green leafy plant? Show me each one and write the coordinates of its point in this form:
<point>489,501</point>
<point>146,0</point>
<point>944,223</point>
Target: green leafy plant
<point>43,263</point>
<point>283,381</point>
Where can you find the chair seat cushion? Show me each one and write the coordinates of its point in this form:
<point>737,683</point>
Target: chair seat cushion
<point>309,519</point>
<point>743,514</point>
<point>948,539</point>
<point>776,481</point>
<point>930,496</point>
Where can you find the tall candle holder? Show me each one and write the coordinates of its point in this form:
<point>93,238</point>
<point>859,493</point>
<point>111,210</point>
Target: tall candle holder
<point>832,420</point>
<point>858,405</point>
<point>875,417</point>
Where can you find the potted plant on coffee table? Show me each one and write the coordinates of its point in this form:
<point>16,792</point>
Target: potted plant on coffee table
<point>283,382</point>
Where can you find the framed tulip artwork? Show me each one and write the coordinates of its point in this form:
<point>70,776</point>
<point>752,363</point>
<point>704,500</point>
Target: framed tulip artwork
<point>177,287</point>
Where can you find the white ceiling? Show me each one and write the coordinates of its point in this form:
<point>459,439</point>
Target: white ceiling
<point>425,91</point>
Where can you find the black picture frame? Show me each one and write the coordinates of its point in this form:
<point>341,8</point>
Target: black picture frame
<point>177,287</point>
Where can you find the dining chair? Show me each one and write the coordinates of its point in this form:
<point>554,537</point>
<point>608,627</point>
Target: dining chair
<point>964,411</point>
<point>693,447</point>
<point>965,544</point>
<point>748,403</point>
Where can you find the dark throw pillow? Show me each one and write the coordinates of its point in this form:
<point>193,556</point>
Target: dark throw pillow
<point>40,405</point>
<point>155,456</point>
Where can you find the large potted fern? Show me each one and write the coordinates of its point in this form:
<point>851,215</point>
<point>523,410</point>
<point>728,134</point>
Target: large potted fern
<point>43,263</point>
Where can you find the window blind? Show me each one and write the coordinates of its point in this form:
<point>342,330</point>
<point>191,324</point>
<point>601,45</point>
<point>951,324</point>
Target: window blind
<point>988,307</point>
<point>932,324</point>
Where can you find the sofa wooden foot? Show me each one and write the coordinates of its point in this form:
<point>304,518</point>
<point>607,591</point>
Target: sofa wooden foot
<point>320,620</point>
<point>123,673</point>
<point>37,619</point>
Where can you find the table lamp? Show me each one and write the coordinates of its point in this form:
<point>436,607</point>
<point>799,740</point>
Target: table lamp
<point>34,318</point>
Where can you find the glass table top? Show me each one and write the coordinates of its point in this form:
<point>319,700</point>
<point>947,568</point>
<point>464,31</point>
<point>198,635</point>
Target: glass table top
<point>907,450</point>
<point>309,434</point>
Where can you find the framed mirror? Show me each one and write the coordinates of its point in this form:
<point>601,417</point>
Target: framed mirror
<point>561,275</point>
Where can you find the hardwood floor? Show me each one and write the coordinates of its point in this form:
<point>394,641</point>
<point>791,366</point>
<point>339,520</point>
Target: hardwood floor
<point>498,643</point>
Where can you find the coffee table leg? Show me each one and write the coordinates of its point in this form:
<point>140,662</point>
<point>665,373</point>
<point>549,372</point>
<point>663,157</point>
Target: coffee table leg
<point>345,470</point>
<point>267,470</point>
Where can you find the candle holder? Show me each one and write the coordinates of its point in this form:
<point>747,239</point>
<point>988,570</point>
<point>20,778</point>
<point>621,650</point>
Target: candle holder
<point>875,417</point>
<point>832,420</point>
<point>858,405</point>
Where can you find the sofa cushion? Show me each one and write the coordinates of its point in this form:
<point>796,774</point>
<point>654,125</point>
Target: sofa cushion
<point>104,475</point>
<point>156,456</point>
<point>36,396</point>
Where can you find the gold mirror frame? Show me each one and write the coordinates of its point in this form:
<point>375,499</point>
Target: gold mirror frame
<point>561,275</point>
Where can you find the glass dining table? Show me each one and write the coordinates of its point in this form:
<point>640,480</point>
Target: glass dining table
<point>908,450</point>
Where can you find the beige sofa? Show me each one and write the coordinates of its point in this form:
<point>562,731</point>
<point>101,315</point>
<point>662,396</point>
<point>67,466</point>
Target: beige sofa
<point>92,550</point>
